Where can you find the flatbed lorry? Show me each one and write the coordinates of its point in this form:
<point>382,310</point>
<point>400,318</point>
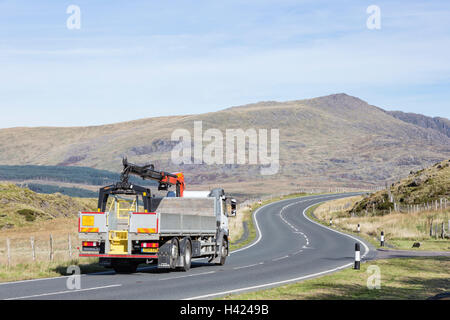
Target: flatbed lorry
<point>132,226</point>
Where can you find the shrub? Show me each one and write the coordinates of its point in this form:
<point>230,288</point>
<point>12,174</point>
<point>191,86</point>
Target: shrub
<point>29,214</point>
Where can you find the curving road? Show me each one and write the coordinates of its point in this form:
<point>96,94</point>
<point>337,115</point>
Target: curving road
<point>289,248</point>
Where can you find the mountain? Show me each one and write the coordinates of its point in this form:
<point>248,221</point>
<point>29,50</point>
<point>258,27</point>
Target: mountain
<point>437,123</point>
<point>330,141</point>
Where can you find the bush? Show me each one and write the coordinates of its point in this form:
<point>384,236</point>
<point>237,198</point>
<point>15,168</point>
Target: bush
<point>29,214</point>
<point>385,206</point>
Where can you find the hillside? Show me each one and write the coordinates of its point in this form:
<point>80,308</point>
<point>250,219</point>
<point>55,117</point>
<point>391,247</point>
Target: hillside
<point>437,123</point>
<point>336,140</point>
<point>421,187</point>
<point>21,206</point>
<point>79,175</point>
<point>69,180</point>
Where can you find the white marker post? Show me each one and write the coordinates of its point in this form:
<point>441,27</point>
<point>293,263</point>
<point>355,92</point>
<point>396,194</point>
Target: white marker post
<point>382,239</point>
<point>359,228</point>
<point>357,256</point>
<point>331,222</point>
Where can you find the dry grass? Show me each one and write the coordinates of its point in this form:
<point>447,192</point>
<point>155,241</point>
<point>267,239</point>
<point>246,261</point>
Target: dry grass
<point>46,269</point>
<point>20,241</point>
<point>235,224</point>
<point>423,189</point>
<point>404,279</point>
<point>396,226</point>
<point>21,207</point>
<point>23,267</point>
<point>330,208</point>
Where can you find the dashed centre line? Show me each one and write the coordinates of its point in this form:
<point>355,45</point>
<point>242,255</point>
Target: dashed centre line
<point>281,258</point>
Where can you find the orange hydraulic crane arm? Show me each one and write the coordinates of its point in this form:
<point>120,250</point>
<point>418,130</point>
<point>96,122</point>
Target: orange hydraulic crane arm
<point>147,172</point>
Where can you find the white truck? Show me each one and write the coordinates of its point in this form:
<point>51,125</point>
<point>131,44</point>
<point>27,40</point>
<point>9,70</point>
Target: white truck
<point>132,226</point>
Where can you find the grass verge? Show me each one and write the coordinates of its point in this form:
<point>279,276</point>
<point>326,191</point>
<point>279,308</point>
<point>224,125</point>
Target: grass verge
<point>406,278</point>
<point>401,230</point>
<point>372,240</point>
<point>47,269</point>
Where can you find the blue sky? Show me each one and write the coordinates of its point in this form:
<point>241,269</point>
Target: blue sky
<point>139,59</point>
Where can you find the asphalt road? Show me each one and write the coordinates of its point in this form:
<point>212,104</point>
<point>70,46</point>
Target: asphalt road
<point>289,248</point>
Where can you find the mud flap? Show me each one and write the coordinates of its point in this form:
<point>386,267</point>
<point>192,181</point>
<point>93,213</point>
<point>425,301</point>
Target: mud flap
<point>217,255</point>
<point>180,260</point>
<point>196,248</point>
<point>164,255</point>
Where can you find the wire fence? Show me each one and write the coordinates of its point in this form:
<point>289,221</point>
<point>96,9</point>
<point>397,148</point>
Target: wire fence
<point>23,250</point>
<point>393,206</point>
<point>306,190</point>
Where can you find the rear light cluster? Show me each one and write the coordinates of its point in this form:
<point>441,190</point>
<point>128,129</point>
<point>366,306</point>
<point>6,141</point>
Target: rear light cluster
<point>91,244</point>
<point>149,244</point>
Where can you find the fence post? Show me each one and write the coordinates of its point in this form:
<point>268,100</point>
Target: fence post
<point>70,247</point>
<point>51,247</point>
<point>8,250</point>
<point>33,250</point>
<point>442,231</point>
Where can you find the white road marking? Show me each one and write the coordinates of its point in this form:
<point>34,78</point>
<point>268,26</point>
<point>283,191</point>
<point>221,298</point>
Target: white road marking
<point>187,276</point>
<point>367,250</point>
<point>257,224</point>
<point>62,277</point>
<point>269,284</point>
<point>280,258</point>
<point>249,266</point>
<point>63,292</point>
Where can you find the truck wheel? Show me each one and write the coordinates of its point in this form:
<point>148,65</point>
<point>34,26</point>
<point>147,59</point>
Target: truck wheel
<point>223,253</point>
<point>174,253</point>
<point>187,257</point>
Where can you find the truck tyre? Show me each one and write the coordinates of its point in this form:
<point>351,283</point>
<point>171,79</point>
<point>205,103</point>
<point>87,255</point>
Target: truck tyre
<point>174,250</point>
<point>223,252</point>
<point>187,256</point>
